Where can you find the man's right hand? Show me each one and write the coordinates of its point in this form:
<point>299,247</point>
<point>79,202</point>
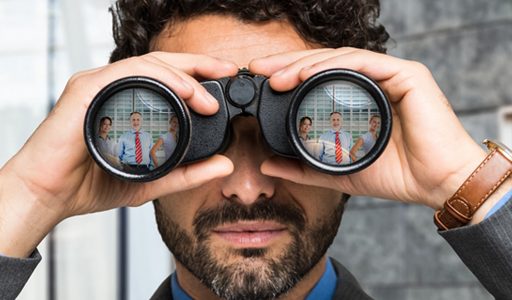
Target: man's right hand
<point>53,177</point>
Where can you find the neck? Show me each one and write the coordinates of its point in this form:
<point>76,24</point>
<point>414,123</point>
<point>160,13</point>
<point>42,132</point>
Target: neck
<point>103,135</point>
<point>196,290</point>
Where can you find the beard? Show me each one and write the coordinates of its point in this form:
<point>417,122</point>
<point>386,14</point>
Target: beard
<point>255,274</point>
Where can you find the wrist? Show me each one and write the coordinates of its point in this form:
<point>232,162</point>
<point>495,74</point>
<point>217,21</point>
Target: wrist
<point>24,221</point>
<point>487,183</point>
<point>473,156</point>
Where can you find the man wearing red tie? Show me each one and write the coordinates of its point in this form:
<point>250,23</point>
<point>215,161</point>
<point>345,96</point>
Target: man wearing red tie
<point>334,143</point>
<point>135,146</point>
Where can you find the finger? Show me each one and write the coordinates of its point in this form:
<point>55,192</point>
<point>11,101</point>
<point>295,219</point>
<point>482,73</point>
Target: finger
<point>169,68</point>
<point>378,66</point>
<point>393,74</point>
<point>197,65</point>
<point>199,100</point>
<point>288,77</point>
<point>188,176</point>
<point>273,63</point>
<point>295,171</point>
<point>178,81</point>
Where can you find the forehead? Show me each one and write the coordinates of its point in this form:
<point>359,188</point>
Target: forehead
<point>228,38</point>
<point>135,116</point>
<point>335,116</point>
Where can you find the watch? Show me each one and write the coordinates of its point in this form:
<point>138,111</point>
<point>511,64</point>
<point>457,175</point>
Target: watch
<point>490,174</point>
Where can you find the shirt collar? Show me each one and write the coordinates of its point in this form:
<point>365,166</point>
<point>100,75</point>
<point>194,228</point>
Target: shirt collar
<point>325,287</point>
<point>177,292</point>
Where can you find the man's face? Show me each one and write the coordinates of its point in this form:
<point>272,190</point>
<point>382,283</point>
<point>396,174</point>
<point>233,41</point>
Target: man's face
<point>245,236</point>
<point>336,121</point>
<point>105,126</point>
<point>136,121</point>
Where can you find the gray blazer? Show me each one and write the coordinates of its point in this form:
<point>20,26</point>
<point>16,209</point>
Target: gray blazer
<point>485,248</point>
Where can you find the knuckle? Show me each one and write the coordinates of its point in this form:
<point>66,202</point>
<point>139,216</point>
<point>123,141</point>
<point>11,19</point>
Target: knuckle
<point>77,79</point>
<point>418,67</point>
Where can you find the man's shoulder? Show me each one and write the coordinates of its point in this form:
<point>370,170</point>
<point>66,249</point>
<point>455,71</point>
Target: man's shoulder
<point>163,291</point>
<point>145,133</point>
<point>343,132</point>
<point>326,135</point>
<point>347,287</point>
<point>125,134</point>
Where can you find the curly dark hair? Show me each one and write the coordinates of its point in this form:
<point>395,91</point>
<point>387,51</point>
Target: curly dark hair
<point>330,23</point>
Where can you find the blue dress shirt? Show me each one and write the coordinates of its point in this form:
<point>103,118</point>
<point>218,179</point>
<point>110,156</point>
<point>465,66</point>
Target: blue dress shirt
<point>499,204</point>
<point>126,147</point>
<point>327,147</point>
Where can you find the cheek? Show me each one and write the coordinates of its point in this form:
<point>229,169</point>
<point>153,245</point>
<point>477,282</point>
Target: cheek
<point>316,202</point>
<point>178,209</point>
<point>181,207</point>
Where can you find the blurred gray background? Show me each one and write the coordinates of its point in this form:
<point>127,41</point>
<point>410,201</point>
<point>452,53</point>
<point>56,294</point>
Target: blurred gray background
<point>392,248</point>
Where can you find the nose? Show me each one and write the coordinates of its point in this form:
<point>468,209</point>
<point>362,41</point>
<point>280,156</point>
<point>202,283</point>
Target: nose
<point>247,151</point>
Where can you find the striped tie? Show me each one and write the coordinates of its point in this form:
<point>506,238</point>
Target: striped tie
<point>138,149</point>
<point>339,153</point>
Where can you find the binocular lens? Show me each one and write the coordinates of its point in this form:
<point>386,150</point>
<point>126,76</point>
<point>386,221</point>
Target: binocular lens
<point>341,121</point>
<point>338,122</point>
<point>136,131</point>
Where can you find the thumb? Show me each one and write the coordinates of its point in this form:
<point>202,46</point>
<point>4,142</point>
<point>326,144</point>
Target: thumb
<point>297,172</point>
<point>189,176</point>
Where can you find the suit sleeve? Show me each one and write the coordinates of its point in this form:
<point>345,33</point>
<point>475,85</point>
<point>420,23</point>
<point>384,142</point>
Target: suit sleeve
<point>15,272</point>
<point>486,249</point>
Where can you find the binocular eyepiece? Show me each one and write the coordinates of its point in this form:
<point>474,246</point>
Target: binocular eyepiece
<point>338,121</point>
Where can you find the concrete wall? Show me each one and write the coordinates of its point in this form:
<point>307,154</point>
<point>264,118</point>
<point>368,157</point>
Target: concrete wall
<point>394,249</point>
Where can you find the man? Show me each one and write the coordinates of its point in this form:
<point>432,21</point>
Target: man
<point>245,224</point>
<point>367,140</point>
<point>335,143</point>
<point>134,147</point>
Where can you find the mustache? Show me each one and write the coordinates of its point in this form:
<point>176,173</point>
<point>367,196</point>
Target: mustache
<point>263,209</point>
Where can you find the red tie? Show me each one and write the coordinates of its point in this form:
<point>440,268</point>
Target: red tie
<point>138,149</point>
<point>339,153</point>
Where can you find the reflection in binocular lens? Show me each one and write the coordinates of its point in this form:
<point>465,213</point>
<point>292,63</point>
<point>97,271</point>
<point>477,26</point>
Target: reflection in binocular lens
<point>137,130</point>
<point>338,122</point>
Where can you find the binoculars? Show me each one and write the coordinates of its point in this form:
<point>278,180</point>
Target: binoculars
<point>338,121</point>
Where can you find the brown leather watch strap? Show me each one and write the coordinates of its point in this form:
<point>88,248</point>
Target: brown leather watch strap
<point>459,209</point>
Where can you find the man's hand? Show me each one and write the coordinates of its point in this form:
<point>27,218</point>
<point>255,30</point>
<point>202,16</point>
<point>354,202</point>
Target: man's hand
<point>429,154</point>
<point>53,177</point>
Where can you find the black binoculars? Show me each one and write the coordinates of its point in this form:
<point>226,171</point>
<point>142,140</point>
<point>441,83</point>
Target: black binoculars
<point>338,121</point>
